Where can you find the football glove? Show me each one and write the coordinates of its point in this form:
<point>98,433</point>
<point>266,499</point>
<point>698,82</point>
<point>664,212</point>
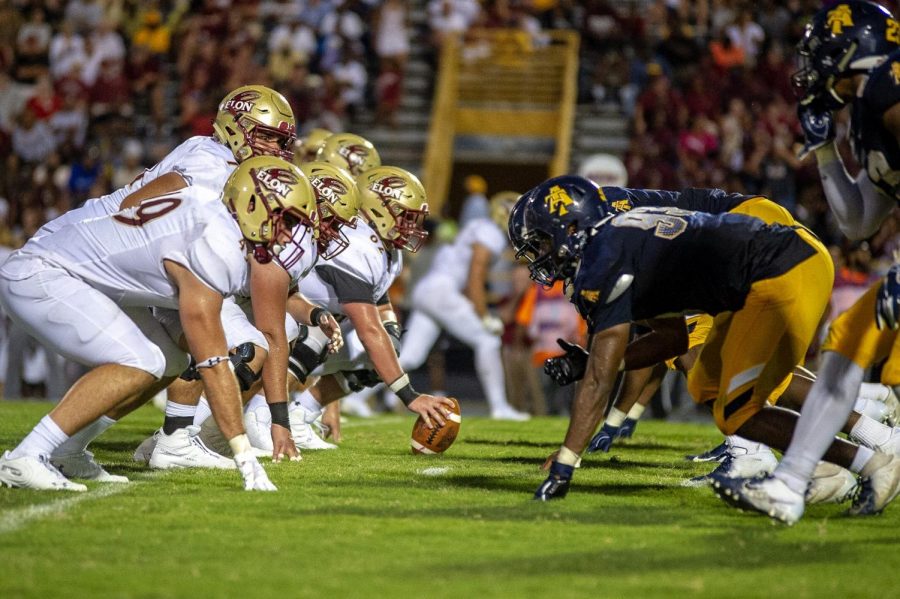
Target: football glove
<point>255,478</point>
<point>627,428</point>
<point>604,438</point>
<point>887,306</point>
<point>557,484</point>
<point>569,367</point>
<point>818,127</point>
<point>492,325</point>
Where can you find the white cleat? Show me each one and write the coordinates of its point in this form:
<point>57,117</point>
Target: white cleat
<point>29,472</point>
<point>82,465</point>
<point>258,424</point>
<point>184,449</point>
<point>738,465</point>
<point>831,484</point>
<point>511,414</point>
<point>892,403</point>
<point>768,495</point>
<point>877,488</point>
<point>145,449</point>
<point>302,431</point>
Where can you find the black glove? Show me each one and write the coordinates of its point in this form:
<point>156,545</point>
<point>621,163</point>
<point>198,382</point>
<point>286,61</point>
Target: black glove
<point>604,438</point>
<point>357,380</point>
<point>569,367</point>
<point>818,127</point>
<point>557,484</point>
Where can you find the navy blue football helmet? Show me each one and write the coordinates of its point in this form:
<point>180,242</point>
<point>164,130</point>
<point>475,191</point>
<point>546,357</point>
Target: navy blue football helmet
<point>846,39</point>
<point>550,224</point>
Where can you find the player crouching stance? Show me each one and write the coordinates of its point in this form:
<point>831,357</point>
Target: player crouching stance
<point>86,289</point>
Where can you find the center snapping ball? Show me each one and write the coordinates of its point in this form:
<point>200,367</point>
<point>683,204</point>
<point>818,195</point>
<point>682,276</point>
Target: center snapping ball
<point>429,441</point>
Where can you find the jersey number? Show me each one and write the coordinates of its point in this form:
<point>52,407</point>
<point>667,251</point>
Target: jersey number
<point>667,222</point>
<point>147,211</point>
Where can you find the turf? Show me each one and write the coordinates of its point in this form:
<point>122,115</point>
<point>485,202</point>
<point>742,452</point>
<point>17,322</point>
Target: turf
<point>371,520</point>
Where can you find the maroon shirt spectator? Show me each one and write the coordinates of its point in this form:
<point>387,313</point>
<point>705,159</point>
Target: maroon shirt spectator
<point>110,92</point>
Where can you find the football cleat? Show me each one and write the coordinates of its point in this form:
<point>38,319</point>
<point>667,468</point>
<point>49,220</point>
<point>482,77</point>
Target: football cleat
<point>145,449</point>
<point>738,465</point>
<point>511,414</point>
<point>716,454</point>
<point>878,488</point>
<point>82,465</point>
<point>184,449</point>
<point>831,484</point>
<point>767,495</point>
<point>29,472</point>
<point>302,430</point>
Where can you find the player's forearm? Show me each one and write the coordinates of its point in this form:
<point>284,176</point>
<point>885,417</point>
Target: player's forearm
<point>274,372</point>
<point>378,345</point>
<point>858,206</point>
<point>478,297</point>
<point>587,411</point>
<point>300,308</point>
<point>224,398</point>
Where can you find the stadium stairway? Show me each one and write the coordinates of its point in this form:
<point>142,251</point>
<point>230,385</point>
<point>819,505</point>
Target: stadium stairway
<point>598,129</point>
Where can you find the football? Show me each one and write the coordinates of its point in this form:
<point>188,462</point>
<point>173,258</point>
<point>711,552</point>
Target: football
<point>438,439</point>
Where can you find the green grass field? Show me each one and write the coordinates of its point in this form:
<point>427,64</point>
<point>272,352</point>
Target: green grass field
<point>371,520</point>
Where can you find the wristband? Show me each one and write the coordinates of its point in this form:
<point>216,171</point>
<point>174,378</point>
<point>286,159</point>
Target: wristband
<point>315,314</point>
<point>404,390</point>
<point>280,414</point>
<point>213,361</point>
<point>239,444</point>
<point>567,456</point>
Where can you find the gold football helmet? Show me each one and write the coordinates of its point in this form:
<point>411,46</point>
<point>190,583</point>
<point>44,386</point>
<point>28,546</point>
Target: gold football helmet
<point>351,152</point>
<point>394,202</point>
<point>501,203</point>
<point>249,111</point>
<point>306,147</point>
<point>275,207</point>
<point>338,202</point>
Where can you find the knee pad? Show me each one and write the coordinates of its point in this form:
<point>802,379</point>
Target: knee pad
<point>357,380</point>
<point>308,353</point>
<point>240,358</point>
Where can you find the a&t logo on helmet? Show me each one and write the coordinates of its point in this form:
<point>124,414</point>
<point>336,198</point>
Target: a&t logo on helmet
<point>389,188</point>
<point>276,179</point>
<point>354,154</point>
<point>838,18</point>
<point>242,102</point>
<point>327,187</point>
<point>557,200</point>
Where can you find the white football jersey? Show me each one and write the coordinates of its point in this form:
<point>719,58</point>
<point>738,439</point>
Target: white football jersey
<point>454,259</point>
<point>122,254</point>
<point>299,267</point>
<point>362,273</point>
<point>201,161</point>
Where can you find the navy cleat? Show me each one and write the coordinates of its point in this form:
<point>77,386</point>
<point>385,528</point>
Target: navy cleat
<point>716,454</point>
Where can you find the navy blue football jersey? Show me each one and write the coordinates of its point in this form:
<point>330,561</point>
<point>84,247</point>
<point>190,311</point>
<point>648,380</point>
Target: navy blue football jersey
<point>653,262</point>
<point>714,201</point>
<point>873,145</point>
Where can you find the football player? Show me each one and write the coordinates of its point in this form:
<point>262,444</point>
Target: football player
<point>766,286</point>
<point>851,55</point>
<point>306,147</point>
<point>354,285</point>
<point>350,152</point>
<point>85,289</point>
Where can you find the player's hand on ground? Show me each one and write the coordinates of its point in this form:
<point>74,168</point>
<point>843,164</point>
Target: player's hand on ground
<point>818,127</point>
<point>255,478</point>
<point>433,410</point>
<point>569,367</point>
<point>283,445</point>
<point>556,486</point>
<point>331,422</point>
<point>887,306</point>
<point>604,438</point>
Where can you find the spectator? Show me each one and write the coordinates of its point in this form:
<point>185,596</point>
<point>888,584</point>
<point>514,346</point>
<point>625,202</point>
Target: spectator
<point>85,173</point>
<point>44,102</point>
<point>746,34</point>
<point>66,50</point>
<point>85,15</point>
<point>350,75</point>
<point>13,96</point>
<point>392,35</point>
<point>32,140</point>
<point>153,34</point>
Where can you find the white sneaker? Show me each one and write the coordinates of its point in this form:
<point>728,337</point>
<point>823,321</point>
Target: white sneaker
<point>767,495</point>
<point>878,488</point>
<point>145,449</point>
<point>29,472</point>
<point>354,405</point>
<point>302,431</point>
<point>82,465</point>
<point>184,449</point>
<point>738,465</point>
<point>831,484</point>
<point>258,424</point>
<point>510,413</point>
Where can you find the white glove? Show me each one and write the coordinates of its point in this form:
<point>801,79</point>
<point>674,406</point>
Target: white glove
<point>255,478</point>
<point>492,324</point>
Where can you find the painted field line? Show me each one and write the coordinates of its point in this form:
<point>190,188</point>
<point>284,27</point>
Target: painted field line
<point>17,519</point>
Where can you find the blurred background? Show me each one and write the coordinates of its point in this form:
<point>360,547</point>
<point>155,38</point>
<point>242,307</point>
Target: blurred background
<point>475,96</point>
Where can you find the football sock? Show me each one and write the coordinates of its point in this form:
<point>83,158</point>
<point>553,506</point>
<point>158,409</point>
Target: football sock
<point>308,402</point>
<point>80,440</point>
<point>862,458</point>
<point>616,417</point>
<point>203,412</point>
<point>636,411</point>
<point>42,440</point>
<point>870,433</point>
<point>178,416</point>
<point>824,413</point>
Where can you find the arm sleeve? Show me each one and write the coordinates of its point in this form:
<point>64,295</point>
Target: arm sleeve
<point>858,206</point>
<point>349,289</point>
